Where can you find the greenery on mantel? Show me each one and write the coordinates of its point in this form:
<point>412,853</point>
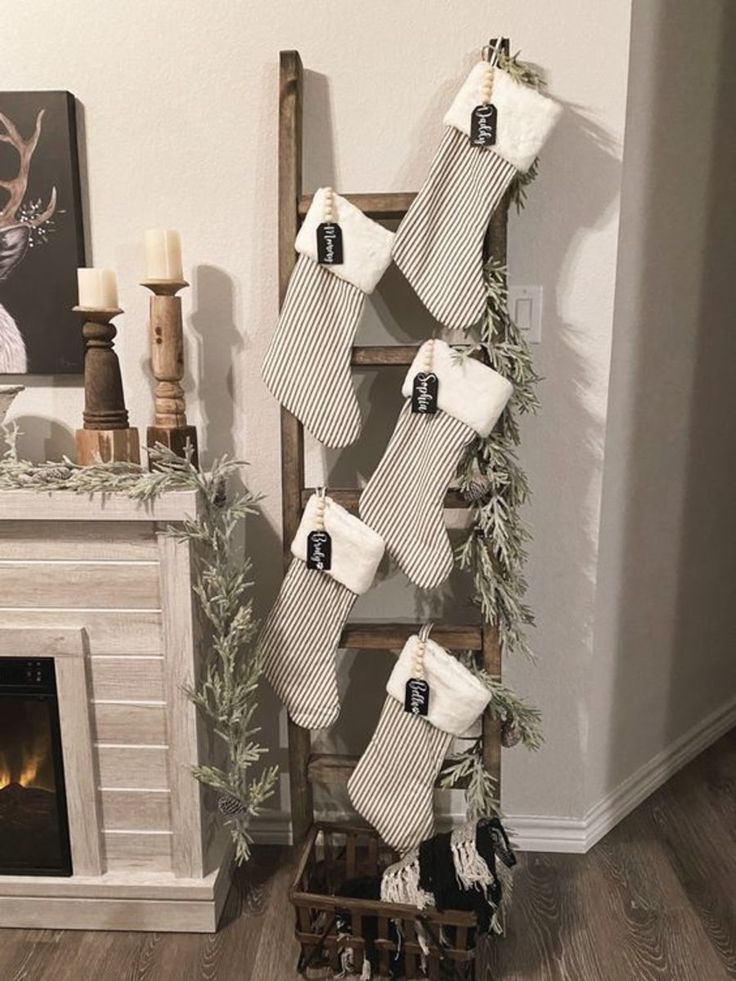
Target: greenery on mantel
<point>226,690</point>
<point>494,549</point>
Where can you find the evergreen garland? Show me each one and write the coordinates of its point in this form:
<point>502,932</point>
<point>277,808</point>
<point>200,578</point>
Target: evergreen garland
<point>226,690</point>
<point>494,483</point>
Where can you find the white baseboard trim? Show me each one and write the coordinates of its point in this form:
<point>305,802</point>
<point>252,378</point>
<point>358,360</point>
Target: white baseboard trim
<point>578,835</point>
<point>272,829</point>
<point>614,807</point>
<point>532,833</point>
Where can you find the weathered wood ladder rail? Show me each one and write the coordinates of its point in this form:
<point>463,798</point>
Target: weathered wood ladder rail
<point>305,767</point>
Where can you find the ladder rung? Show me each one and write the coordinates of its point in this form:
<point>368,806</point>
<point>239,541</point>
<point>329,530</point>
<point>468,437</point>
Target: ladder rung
<point>330,767</point>
<point>349,496</point>
<point>393,636</point>
<point>390,354</point>
<point>385,206</point>
<point>335,768</point>
<point>375,355</point>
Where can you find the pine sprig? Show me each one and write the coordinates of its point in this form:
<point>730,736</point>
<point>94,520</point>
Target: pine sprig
<point>481,789</point>
<point>507,706</point>
<point>526,74</point>
<point>521,71</point>
<point>227,687</point>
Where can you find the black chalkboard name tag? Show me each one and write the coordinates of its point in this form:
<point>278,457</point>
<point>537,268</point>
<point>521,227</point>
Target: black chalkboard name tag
<point>483,125</point>
<point>329,244</point>
<point>416,696</point>
<point>319,551</point>
<point>424,393</point>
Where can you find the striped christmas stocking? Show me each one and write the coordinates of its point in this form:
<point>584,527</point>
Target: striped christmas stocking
<point>335,560</point>
<point>439,244</point>
<point>403,500</point>
<point>392,785</point>
<point>342,255</point>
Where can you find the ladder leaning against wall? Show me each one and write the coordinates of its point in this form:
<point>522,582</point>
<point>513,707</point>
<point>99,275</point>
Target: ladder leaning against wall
<point>305,767</point>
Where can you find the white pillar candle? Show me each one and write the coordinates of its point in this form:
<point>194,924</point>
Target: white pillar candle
<point>163,255</point>
<point>98,289</point>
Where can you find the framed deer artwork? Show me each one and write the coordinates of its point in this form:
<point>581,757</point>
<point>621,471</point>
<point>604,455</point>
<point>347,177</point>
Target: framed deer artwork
<point>41,234</point>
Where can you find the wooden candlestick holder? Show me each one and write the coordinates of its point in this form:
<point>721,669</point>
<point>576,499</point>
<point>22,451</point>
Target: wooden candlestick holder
<point>167,363</point>
<point>106,436</point>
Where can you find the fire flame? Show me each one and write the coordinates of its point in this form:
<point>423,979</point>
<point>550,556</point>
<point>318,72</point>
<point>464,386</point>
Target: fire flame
<point>27,773</point>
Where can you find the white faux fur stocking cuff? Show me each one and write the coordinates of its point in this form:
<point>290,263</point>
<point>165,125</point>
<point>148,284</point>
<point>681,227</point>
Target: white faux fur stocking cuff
<point>356,549</point>
<point>366,244</point>
<point>525,117</point>
<point>468,389</point>
<point>456,697</point>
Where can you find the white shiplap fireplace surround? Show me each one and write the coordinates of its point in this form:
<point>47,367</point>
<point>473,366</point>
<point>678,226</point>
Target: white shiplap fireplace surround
<point>98,585</point>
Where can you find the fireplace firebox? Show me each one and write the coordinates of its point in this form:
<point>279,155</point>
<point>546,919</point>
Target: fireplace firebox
<point>34,828</point>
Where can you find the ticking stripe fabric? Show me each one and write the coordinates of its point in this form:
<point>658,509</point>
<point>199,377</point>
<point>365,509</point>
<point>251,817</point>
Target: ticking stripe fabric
<point>299,641</point>
<point>403,499</point>
<point>439,244</point>
<point>392,785</point>
<point>307,366</point>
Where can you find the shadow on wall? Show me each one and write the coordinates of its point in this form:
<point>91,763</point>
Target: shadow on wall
<point>218,342</point>
<point>573,200</point>
<point>572,415</point>
<point>318,146</point>
<point>44,439</point>
<point>675,475</point>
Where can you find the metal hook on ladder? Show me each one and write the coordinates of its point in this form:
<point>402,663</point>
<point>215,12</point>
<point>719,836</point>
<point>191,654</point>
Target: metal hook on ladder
<point>492,52</point>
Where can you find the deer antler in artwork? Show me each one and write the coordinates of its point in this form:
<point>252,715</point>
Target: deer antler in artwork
<point>17,187</point>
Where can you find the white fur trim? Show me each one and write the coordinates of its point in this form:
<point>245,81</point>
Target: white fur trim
<point>456,697</point>
<point>366,244</point>
<point>525,116</point>
<point>356,548</point>
<point>468,389</point>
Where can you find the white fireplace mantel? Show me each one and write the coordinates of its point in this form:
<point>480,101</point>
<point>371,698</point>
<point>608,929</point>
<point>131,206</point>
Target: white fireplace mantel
<point>97,583</point>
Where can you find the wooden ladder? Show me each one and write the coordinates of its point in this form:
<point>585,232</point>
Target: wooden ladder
<point>304,766</point>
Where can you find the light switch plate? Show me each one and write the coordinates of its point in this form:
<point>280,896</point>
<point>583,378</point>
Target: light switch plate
<point>525,307</point>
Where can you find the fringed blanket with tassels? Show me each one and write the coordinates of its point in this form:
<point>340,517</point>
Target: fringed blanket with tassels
<point>468,869</point>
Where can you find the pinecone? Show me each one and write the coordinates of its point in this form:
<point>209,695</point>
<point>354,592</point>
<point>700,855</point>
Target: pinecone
<point>230,806</point>
<point>510,734</point>
<point>221,495</point>
<point>53,475</point>
<point>478,489</point>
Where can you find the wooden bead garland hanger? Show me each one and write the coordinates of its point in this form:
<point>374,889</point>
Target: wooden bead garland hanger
<point>306,767</point>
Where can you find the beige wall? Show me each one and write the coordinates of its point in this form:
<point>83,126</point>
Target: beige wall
<point>179,122</point>
<point>664,652</point>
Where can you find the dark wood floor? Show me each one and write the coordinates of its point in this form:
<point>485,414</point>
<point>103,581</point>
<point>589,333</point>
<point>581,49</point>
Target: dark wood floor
<point>655,900</point>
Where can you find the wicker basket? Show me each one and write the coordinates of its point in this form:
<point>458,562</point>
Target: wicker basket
<point>333,853</point>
